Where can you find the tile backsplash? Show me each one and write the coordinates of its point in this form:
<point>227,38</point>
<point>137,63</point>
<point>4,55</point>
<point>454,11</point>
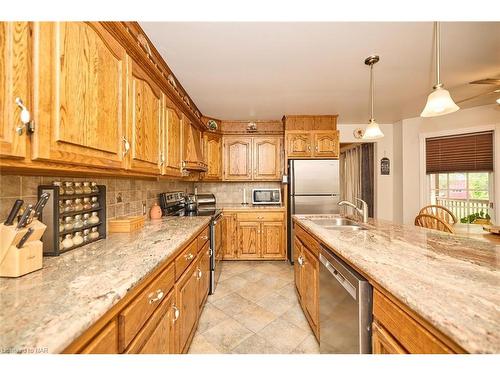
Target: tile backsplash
<point>232,192</point>
<point>124,196</point>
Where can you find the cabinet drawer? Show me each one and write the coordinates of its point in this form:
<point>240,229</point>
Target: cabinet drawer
<point>133,317</point>
<point>185,258</point>
<point>106,342</point>
<point>202,238</point>
<point>140,343</point>
<point>260,216</point>
<point>307,240</point>
<point>412,336</point>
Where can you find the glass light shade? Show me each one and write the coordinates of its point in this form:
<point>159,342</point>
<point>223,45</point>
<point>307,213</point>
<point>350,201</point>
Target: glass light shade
<point>373,131</point>
<point>439,103</point>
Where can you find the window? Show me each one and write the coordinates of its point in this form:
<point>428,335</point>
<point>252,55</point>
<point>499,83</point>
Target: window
<point>466,194</point>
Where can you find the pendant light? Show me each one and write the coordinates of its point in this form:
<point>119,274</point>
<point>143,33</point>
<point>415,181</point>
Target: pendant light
<point>439,101</point>
<point>372,131</point>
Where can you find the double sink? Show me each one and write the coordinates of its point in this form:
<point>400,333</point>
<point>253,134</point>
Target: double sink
<point>338,223</point>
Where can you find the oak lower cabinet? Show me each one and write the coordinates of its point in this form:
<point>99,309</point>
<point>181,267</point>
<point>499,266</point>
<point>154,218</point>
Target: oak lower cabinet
<point>229,236</point>
<point>261,235</point>
<point>187,300</point>
<point>14,79</point>
<point>212,154</point>
<point>383,342</point>
<point>160,315</point>
<point>79,89</point>
<point>306,267</point>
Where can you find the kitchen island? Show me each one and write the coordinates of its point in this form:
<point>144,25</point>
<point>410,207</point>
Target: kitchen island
<point>447,283</point>
<point>49,309</point>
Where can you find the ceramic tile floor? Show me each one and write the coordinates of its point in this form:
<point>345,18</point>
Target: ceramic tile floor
<point>254,311</point>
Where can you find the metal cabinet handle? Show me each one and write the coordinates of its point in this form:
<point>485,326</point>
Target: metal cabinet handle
<point>316,148</point>
<point>25,118</point>
<point>177,313</point>
<point>260,217</point>
<point>199,274</point>
<point>189,256</point>
<point>210,252</point>
<point>204,237</point>
<point>308,148</point>
<point>162,158</point>
<point>126,145</point>
<point>159,296</point>
<point>301,260</point>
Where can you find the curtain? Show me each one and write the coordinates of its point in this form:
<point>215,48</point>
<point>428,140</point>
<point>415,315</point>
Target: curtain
<point>357,176</point>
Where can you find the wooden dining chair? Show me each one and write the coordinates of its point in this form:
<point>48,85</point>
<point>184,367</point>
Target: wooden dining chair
<point>441,212</point>
<point>433,222</point>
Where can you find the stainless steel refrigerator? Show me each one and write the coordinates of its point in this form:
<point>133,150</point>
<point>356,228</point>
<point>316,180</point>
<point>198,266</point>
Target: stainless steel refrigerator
<point>313,189</point>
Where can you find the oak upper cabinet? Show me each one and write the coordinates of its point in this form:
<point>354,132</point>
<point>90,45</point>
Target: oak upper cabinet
<point>142,144</point>
<point>171,156</point>
<point>326,144</point>
<point>267,164</point>
<point>213,156</point>
<point>14,75</point>
<point>299,144</point>
<point>229,236</point>
<point>79,91</point>
<point>237,158</point>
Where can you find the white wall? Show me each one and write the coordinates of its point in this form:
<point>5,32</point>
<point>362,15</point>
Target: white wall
<point>413,131</point>
<point>383,189</point>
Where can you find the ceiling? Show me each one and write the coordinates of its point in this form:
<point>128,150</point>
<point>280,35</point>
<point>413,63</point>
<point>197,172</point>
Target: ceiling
<point>263,70</point>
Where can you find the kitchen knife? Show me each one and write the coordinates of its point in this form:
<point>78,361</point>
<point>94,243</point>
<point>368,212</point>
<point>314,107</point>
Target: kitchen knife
<point>24,217</point>
<point>37,210</point>
<point>25,238</point>
<point>13,212</point>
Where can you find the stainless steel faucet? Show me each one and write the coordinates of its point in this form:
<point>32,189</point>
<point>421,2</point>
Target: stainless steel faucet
<point>363,211</point>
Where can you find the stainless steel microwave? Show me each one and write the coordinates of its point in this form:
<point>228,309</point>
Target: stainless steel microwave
<point>266,196</point>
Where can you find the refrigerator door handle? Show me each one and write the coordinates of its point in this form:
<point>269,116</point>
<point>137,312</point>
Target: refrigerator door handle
<point>291,176</point>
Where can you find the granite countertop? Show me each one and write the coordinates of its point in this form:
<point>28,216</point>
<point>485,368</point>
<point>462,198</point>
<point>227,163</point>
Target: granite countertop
<point>240,207</point>
<point>451,281</point>
<point>47,310</point>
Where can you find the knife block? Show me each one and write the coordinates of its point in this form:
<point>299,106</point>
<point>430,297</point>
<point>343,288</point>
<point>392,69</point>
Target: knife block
<point>16,262</point>
<point>19,262</point>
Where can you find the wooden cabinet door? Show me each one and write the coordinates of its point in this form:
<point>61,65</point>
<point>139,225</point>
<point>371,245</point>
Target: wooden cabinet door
<point>299,145</point>
<point>229,236</point>
<point>273,240</point>
<point>249,239</point>
<point>79,81</point>
<point>237,158</point>
<point>192,146</point>
<point>326,144</point>
<point>310,286</point>
<point>383,342</point>
<point>186,297</point>
<point>106,341</point>
<point>267,158</point>
<point>161,340</point>
<point>144,121</point>
<point>297,253</point>
<point>14,75</point>
<point>172,147</point>
<point>203,274</point>
<point>213,157</point>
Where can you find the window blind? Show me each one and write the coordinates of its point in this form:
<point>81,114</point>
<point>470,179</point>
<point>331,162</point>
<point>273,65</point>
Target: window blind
<point>471,152</point>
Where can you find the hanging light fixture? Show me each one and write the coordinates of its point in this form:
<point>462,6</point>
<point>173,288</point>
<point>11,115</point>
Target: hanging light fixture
<point>372,131</point>
<point>439,101</point>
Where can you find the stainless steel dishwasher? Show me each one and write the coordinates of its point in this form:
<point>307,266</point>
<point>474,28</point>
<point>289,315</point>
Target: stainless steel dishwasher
<point>345,307</point>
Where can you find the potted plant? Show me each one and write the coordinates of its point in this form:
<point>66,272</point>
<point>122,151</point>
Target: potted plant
<point>480,217</point>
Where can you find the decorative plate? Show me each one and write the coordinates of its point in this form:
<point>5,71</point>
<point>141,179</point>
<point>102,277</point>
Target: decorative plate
<point>212,125</point>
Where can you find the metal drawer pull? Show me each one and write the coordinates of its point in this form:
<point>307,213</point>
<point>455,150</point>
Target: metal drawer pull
<point>189,256</point>
<point>199,274</point>
<point>159,296</point>
<point>176,312</point>
<point>260,217</point>
<point>204,238</point>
